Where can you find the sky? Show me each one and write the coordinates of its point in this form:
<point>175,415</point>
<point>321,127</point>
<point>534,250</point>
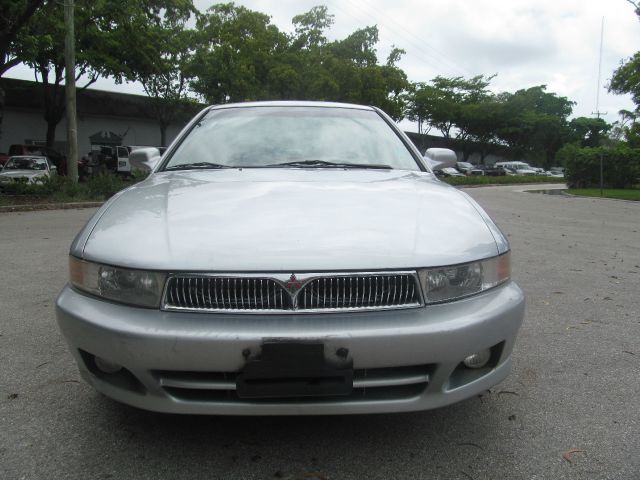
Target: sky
<point>526,43</point>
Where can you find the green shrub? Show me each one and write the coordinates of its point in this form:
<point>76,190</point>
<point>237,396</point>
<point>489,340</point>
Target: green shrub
<point>621,166</point>
<point>104,186</point>
<point>62,189</point>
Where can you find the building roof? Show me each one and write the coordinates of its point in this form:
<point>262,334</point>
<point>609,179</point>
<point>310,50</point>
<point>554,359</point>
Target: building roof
<point>25,94</point>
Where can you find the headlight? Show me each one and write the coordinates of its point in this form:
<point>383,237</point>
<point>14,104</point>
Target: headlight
<point>124,285</point>
<point>443,284</point>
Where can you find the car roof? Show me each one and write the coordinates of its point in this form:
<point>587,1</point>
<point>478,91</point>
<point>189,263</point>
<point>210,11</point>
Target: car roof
<point>292,103</point>
<point>28,156</point>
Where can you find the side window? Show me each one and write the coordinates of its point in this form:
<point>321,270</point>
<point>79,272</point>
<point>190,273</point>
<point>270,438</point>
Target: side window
<point>123,152</point>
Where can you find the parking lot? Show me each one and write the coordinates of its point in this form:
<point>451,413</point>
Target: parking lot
<point>568,410</point>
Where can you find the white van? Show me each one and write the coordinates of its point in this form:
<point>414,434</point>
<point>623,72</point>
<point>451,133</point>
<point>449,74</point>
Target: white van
<point>124,167</point>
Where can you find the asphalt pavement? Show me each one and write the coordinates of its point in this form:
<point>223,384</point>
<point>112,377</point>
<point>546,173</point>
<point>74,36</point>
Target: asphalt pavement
<point>569,409</point>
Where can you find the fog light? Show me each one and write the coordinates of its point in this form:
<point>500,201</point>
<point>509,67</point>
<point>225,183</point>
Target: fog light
<point>106,366</point>
<point>478,359</point>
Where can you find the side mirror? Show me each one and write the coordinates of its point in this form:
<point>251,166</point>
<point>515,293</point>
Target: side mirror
<point>144,159</point>
<point>440,158</point>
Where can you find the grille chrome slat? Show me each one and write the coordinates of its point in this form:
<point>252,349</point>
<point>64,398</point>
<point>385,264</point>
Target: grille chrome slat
<point>273,293</point>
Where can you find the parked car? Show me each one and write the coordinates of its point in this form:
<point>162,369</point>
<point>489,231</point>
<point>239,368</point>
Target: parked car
<point>469,168</point>
<point>448,172</point>
<point>53,155</point>
<point>291,258</point>
<point>517,168</point>
<point>27,168</point>
<point>494,171</point>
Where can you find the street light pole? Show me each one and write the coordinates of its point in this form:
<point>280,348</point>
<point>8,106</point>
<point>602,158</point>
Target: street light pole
<point>70,91</point>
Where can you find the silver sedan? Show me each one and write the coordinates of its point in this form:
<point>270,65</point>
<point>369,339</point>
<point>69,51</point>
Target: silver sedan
<point>291,258</point>
<point>27,168</point>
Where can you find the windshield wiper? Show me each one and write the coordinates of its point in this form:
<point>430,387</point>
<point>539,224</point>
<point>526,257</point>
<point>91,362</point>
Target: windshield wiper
<point>197,165</point>
<point>325,163</point>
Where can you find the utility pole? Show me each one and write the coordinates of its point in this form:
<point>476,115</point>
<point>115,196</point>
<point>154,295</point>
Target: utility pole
<point>70,91</point>
<point>597,113</point>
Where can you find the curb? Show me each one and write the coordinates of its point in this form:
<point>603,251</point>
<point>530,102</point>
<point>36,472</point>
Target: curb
<point>504,185</point>
<point>49,206</point>
<point>573,195</point>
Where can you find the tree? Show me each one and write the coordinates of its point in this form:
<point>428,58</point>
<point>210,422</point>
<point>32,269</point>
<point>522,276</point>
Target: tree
<point>105,32</point>
<point>14,16</point>
<point>442,103</point>
<point>357,77</point>
<point>163,63</point>
<point>536,125</point>
<point>42,48</point>
<point>589,131</point>
<point>310,28</point>
<point>626,80</point>
<point>237,48</point>
<point>242,56</point>
<point>482,121</point>
<point>166,83</point>
<point>627,129</point>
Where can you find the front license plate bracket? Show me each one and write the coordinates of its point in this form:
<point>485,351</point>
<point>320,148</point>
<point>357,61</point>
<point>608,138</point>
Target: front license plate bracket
<point>294,369</point>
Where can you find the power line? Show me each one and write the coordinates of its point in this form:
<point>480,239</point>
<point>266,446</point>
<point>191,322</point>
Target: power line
<point>433,62</point>
<point>404,32</point>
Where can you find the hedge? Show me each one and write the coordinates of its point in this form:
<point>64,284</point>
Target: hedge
<point>62,189</point>
<point>621,166</point>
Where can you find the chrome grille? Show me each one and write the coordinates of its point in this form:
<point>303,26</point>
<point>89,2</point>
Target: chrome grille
<point>292,293</point>
<point>226,293</point>
<point>358,291</point>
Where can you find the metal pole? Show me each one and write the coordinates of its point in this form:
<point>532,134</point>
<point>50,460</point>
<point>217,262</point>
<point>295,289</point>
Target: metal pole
<point>601,174</point>
<point>599,68</point>
<point>70,91</point>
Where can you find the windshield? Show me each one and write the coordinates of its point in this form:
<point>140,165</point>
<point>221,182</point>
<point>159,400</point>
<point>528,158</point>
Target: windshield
<point>23,163</point>
<point>298,136</point>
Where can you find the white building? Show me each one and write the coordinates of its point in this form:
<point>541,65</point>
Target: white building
<point>100,114</point>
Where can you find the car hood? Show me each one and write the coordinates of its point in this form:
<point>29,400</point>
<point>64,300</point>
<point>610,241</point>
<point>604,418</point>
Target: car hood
<point>287,220</point>
<point>22,173</point>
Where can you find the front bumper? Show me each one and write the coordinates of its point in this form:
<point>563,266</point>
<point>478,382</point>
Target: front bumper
<point>187,362</point>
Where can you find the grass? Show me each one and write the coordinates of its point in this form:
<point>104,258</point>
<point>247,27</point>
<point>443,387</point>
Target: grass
<point>60,189</point>
<point>619,193</point>
<point>507,179</point>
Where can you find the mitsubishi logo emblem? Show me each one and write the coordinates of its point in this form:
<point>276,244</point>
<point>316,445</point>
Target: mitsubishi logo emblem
<point>293,284</point>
